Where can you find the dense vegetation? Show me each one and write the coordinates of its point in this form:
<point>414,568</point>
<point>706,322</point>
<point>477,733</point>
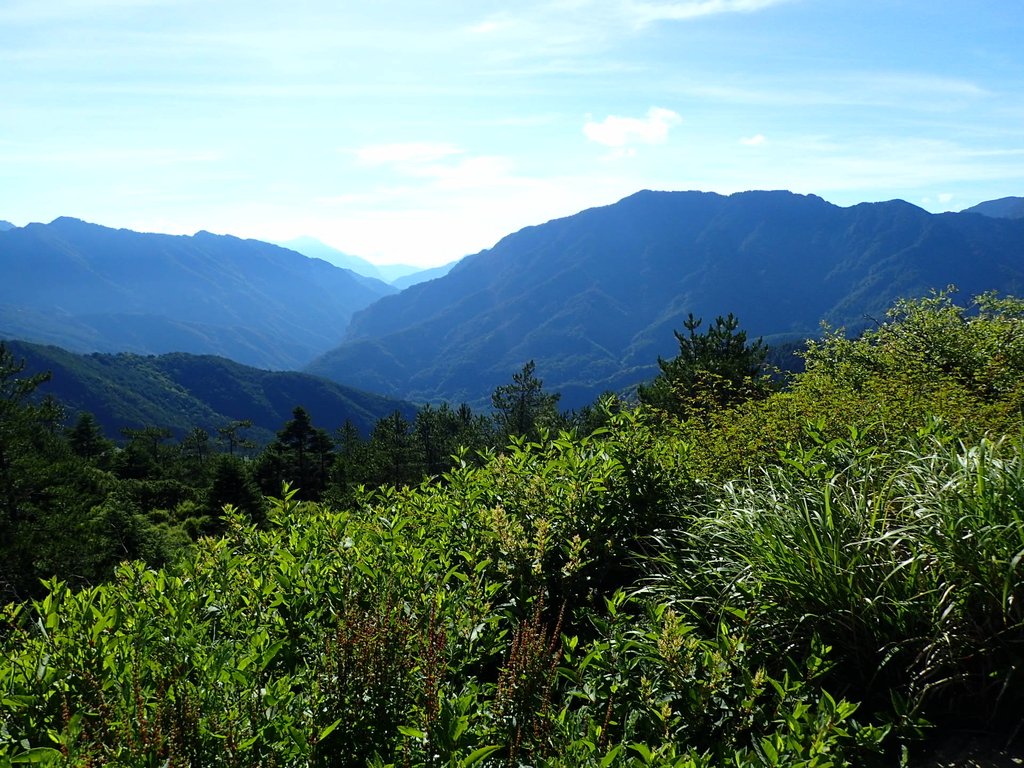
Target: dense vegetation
<point>180,392</point>
<point>823,575</point>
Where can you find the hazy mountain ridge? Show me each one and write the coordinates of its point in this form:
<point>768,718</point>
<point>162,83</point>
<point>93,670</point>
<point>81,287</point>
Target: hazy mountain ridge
<point>423,275</point>
<point>398,275</point>
<point>315,249</point>
<point>93,288</point>
<point>181,391</point>
<point>594,297</point>
<point>1003,208</point>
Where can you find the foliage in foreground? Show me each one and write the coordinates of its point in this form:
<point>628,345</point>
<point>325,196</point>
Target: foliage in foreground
<point>431,626</point>
<point>822,594</point>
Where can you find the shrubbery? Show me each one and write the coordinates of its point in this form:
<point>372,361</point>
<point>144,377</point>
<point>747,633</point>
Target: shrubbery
<point>816,577</point>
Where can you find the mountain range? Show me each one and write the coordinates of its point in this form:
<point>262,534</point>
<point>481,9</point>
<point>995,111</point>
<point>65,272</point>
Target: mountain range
<point>180,392</point>
<point>1003,208</point>
<point>593,298</point>
<point>90,288</point>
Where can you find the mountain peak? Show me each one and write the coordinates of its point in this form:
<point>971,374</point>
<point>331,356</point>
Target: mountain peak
<point>593,298</point>
<point>69,221</point>
<point>1003,208</point>
<point>92,288</point>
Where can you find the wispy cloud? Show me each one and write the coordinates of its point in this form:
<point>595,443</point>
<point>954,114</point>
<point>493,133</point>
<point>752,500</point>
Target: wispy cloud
<point>96,156</point>
<point>615,131</point>
<point>644,13</point>
<point>467,172</point>
<point>486,27</point>
<point>851,88</point>
<point>442,165</point>
<point>753,141</point>
<point>32,12</point>
<point>561,30</point>
<point>407,153</point>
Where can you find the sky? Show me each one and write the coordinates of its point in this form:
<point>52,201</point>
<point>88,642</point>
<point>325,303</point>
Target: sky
<point>412,132</point>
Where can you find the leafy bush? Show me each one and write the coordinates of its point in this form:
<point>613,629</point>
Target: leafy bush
<point>810,579</point>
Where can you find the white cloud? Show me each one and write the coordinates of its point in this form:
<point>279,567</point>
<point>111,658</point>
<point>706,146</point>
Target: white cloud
<point>443,165</point>
<point>486,27</point>
<point>405,153</point>
<point>846,89</point>
<point>622,153</point>
<point>945,197</point>
<point>615,131</point>
<point>467,173</point>
<point>646,13</point>
<point>753,141</point>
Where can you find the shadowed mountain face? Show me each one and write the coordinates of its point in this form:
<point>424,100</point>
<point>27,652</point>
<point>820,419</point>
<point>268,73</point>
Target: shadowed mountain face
<point>92,288</point>
<point>594,297</point>
<point>1003,208</point>
<point>181,392</point>
<point>5,225</point>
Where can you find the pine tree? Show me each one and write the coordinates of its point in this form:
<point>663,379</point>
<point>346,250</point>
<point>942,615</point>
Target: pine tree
<point>301,456</point>
<point>523,408</point>
<point>715,369</point>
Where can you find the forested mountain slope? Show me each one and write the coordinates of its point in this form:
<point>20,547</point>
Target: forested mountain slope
<point>1003,208</point>
<point>182,392</point>
<point>594,297</point>
<point>94,289</point>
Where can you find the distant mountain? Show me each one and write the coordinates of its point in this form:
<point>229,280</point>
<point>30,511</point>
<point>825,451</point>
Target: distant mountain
<point>92,288</point>
<point>5,225</point>
<point>315,249</point>
<point>423,275</point>
<point>399,275</point>
<point>181,392</point>
<point>393,272</point>
<point>1003,208</point>
<point>594,298</point>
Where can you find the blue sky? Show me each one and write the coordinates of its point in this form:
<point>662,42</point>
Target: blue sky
<point>403,131</point>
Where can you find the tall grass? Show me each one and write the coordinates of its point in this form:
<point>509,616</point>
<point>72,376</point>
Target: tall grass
<point>908,563</point>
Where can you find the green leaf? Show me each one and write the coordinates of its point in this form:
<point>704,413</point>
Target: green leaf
<point>644,751</point>
<point>36,756</point>
<point>271,653</point>
<point>477,755</point>
<point>328,730</point>
<point>412,733</point>
<point>610,757</point>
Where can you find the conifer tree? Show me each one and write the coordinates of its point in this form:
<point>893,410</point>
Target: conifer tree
<point>523,408</point>
<point>714,369</point>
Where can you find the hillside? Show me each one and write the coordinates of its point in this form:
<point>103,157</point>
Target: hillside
<point>1003,208</point>
<point>94,289</point>
<point>181,391</point>
<point>423,276</point>
<point>594,297</point>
